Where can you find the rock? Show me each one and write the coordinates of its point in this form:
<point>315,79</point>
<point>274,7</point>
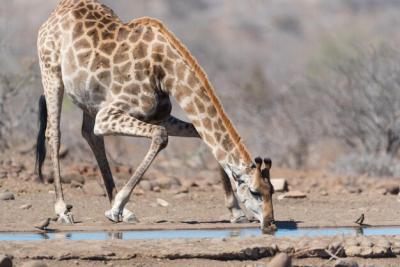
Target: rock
<point>162,202</point>
<point>5,261</point>
<point>34,264</point>
<point>324,193</point>
<point>353,251</point>
<point>392,189</point>
<point>146,185</point>
<point>26,207</point>
<point>7,196</point>
<point>292,194</point>
<point>279,185</point>
<point>346,263</point>
<point>157,189</point>
<point>281,260</point>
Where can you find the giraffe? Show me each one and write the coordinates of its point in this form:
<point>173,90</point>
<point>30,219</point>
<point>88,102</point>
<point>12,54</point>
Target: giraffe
<point>122,76</point>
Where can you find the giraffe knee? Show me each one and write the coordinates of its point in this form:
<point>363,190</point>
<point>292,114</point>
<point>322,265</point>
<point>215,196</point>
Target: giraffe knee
<point>160,137</point>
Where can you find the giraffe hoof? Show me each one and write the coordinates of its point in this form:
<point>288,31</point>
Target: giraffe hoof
<point>114,216</point>
<point>240,219</point>
<point>66,218</point>
<point>129,217</point>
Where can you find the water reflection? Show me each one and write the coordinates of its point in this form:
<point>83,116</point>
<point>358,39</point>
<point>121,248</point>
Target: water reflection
<point>173,234</point>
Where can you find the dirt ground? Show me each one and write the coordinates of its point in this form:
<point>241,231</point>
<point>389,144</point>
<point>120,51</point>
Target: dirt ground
<point>331,200</point>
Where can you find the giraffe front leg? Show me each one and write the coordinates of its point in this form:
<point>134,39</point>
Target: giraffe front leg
<point>110,121</point>
<point>231,202</point>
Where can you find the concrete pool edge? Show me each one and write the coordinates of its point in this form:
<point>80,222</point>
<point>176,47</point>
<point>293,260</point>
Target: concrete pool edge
<point>121,227</point>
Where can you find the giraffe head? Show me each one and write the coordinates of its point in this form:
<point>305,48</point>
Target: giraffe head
<point>255,191</point>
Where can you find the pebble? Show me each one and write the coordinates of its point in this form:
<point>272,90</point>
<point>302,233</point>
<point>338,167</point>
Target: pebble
<point>279,185</point>
<point>292,194</point>
<point>26,207</point>
<point>162,202</point>
<point>7,196</point>
<point>5,261</point>
<point>146,185</point>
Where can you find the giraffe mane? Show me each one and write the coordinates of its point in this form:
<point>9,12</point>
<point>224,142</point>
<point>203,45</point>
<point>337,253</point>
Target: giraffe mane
<point>202,76</point>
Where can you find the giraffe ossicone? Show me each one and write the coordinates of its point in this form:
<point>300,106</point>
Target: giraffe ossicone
<point>122,76</point>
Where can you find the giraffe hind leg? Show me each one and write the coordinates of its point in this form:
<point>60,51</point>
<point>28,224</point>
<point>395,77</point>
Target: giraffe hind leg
<point>111,121</point>
<point>54,92</point>
<point>96,144</point>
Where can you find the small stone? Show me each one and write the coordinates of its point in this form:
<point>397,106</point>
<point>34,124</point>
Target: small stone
<point>392,189</point>
<point>279,185</point>
<point>26,207</point>
<point>162,202</point>
<point>7,196</point>
<point>145,185</point>
<point>281,260</point>
<point>292,194</point>
<point>5,261</point>
<point>157,189</point>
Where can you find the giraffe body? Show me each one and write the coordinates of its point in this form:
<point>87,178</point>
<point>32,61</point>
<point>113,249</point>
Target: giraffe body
<point>122,76</point>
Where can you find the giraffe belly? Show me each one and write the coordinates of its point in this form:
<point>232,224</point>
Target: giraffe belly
<point>85,92</point>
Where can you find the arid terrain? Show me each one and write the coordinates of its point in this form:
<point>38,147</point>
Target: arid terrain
<point>192,203</point>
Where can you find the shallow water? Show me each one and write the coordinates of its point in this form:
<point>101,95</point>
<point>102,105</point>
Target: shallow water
<point>173,234</point>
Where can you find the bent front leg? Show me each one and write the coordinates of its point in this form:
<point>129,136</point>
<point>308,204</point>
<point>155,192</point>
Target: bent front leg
<point>110,121</point>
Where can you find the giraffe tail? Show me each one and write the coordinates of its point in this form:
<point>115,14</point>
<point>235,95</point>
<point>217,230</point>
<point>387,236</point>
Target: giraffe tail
<point>41,138</point>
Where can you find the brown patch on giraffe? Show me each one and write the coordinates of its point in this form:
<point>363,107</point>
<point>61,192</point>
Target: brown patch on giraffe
<point>157,58</point>
<point>171,54</point>
<point>203,94</point>
<point>66,25</point>
<point>169,66</point>
<point>136,34</point>
<point>108,48</point>
<point>207,124</point>
<point>107,34</point>
<point>181,70</point>
<point>105,77</point>
<point>123,34</point>
<point>190,110</point>
<point>140,51</point>
<point>132,89</point>
<point>122,54</point>
<point>84,59</point>
<point>169,83</point>
<point>70,65</point>
<point>182,92</point>
<point>140,75</point>
<point>158,48</point>
<point>82,44</point>
<point>227,143</point>
<point>197,124</point>
<point>94,36</point>
<point>122,73</point>
<point>149,35</point>
<point>116,89</point>
<point>218,136</point>
<point>200,106</point>
<point>100,62</point>
<point>77,31</point>
<point>89,24</point>
<point>209,139</point>
<point>212,112</point>
<point>143,65</point>
<point>192,80</point>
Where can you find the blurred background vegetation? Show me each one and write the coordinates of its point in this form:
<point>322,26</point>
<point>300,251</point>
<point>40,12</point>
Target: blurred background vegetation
<point>313,84</point>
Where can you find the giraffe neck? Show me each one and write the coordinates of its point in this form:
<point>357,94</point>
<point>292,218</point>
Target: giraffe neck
<point>196,96</point>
